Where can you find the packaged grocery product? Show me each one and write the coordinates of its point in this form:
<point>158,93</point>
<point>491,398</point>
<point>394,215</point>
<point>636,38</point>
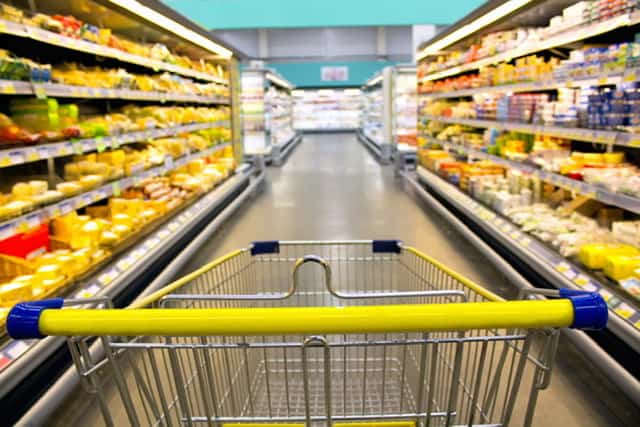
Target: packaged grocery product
<point>27,245</point>
<point>11,293</point>
<point>594,255</point>
<point>48,272</point>
<point>618,267</point>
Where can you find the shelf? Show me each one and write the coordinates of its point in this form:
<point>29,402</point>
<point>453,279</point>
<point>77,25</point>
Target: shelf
<point>42,215</point>
<point>19,155</point>
<point>126,268</point>
<point>535,252</point>
<point>42,90</point>
<point>49,37</point>
<point>629,75</point>
<point>572,35</point>
<point>603,195</point>
<point>578,134</point>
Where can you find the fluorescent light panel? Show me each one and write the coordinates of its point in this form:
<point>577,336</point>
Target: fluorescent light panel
<point>486,19</point>
<point>172,26</point>
<point>277,80</point>
<point>375,80</point>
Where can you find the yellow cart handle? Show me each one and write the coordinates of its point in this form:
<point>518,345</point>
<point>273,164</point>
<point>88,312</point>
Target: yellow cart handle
<point>38,319</point>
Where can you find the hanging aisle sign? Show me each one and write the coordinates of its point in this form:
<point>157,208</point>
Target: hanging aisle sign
<point>334,74</point>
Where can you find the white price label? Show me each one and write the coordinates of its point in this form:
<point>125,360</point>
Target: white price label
<point>124,264</point>
<point>108,277</point>
<point>32,154</point>
<point>65,207</point>
<point>7,230</point>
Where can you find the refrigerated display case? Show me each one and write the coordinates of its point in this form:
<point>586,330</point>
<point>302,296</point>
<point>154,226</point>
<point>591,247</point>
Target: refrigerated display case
<point>326,110</point>
<point>388,124</point>
<point>267,111</point>
<point>119,139</point>
<point>529,132</point>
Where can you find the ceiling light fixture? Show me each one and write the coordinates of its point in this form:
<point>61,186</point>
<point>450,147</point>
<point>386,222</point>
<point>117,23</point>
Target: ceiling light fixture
<point>465,31</point>
<point>172,26</point>
<point>277,80</point>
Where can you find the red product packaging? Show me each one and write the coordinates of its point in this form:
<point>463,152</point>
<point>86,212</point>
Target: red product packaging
<point>27,245</point>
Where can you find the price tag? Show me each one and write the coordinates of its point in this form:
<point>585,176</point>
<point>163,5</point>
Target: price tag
<point>115,142</point>
<point>5,160</point>
<point>563,267</point>
<point>99,195</point>
<point>625,310</point>
<point>78,203</point>
<point>65,149</point>
<point>115,188</point>
<point>514,235</point>
<point>88,145</point>
<point>32,154</point>
<point>54,211</point>
<point>124,264</point>
<point>163,234</point>
<point>8,89</point>
<point>85,293</point>
<point>108,277</point>
<point>629,76</point>
<point>3,27</point>
<point>39,91</point>
<point>65,207</point>
<point>7,230</point>
<point>16,348</point>
<point>77,147</point>
<point>525,241</point>
<point>100,144</point>
<point>581,280</point>
<point>602,81</point>
<point>173,226</point>
<point>153,242</point>
<point>30,221</point>
<point>634,142</point>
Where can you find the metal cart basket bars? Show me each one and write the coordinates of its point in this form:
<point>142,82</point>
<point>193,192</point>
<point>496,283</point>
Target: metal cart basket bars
<point>316,333</point>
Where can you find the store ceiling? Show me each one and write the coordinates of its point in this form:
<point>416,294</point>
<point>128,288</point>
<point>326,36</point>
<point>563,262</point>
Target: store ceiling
<point>230,14</point>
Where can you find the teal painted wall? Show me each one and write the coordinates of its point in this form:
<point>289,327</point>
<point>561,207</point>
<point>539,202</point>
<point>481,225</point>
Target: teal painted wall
<point>227,14</point>
<point>307,74</point>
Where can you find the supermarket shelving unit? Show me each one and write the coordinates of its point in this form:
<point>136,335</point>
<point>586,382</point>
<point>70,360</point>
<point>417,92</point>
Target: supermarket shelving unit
<point>27,367</point>
<point>538,261</point>
<point>388,125</point>
<point>267,106</point>
<point>326,110</point>
<point>375,121</point>
<point>404,117</point>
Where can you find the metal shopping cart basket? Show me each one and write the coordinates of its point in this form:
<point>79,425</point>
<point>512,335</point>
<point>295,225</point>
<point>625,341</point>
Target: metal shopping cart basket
<point>347,333</point>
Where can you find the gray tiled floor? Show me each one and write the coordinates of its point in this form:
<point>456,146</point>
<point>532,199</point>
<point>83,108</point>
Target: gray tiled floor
<point>331,188</point>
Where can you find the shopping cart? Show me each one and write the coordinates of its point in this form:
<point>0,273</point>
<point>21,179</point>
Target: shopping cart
<point>346,333</point>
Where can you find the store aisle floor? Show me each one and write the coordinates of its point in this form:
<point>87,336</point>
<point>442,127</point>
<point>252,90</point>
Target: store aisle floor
<point>332,188</point>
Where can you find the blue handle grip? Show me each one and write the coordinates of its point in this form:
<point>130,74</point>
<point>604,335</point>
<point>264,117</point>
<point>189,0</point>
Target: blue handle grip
<point>590,310</point>
<point>22,321</point>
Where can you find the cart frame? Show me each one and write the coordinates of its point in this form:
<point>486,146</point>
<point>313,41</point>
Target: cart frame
<point>317,333</point>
